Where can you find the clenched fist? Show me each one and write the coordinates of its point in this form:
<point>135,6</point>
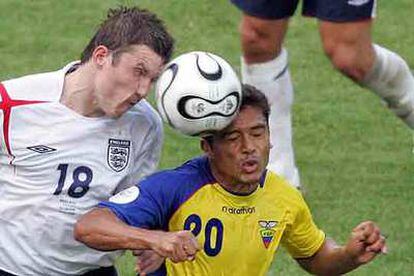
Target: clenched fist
<point>365,243</point>
<point>178,246</point>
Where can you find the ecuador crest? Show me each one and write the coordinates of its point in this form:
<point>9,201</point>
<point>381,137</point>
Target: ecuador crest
<point>267,232</point>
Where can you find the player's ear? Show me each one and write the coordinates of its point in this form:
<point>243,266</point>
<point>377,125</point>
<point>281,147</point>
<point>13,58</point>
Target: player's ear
<point>206,146</point>
<point>100,55</point>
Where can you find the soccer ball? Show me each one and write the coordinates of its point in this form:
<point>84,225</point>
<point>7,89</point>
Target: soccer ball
<point>198,92</point>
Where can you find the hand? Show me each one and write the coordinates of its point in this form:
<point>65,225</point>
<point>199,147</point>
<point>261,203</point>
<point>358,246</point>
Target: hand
<point>178,246</point>
<point>147,261</point>
<point>365,243</point>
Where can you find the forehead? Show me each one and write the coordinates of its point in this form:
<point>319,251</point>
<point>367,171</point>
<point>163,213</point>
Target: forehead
<point>248,117</point>
<point>143,55</point>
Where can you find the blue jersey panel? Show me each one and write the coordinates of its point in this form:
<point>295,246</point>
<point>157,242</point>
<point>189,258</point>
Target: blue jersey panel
<point>161,194</point>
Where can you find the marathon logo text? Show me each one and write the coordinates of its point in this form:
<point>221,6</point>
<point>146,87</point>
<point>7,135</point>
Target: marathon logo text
<point>238,211</point>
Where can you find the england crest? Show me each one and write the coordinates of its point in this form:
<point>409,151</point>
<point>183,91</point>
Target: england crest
<point>118,154</point>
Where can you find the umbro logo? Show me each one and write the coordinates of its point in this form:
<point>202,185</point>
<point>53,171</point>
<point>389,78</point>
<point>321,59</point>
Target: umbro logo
<point>41,149</point>
<point>357,2</point>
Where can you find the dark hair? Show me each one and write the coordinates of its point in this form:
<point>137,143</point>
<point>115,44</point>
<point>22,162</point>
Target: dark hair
<point>251,96</point>
<point>124,27</point>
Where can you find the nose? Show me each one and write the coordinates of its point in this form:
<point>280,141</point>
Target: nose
<point>144,87</point>
<point>248,144</point>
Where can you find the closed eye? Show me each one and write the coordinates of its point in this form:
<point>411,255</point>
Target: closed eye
<point>258,131</point>
<point>140,70</point>
<point>233,136</point>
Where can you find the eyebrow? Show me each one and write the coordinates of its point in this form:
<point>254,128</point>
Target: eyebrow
<point>229,133</point>
<point>258,126</point>
<point>142,65</point>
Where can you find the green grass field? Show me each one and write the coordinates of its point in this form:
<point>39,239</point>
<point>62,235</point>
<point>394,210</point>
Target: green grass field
<point>356,159</point>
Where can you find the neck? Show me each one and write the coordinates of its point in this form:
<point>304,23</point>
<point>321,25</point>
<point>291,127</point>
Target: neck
<point>78,92</point>
<point>233,185</point>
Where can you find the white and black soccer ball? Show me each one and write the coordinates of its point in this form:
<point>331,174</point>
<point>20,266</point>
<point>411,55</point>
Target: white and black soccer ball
<point>198,92</point>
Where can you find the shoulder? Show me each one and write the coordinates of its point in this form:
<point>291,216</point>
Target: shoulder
<point>278,187</point>
<point>42,86</point>
<point>279,183</point>
<point>179,183</point>
<point>144,115</point>
<point>144,109</point>
<point>158,196</point>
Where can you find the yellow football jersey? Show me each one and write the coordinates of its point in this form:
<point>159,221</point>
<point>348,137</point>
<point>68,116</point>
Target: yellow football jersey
<point>239,235</point>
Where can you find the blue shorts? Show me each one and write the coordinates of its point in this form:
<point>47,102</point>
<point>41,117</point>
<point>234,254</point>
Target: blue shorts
<point>326,10</point>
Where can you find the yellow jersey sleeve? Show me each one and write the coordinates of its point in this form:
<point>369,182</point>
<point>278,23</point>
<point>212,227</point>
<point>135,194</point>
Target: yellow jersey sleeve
<point>303,238</point>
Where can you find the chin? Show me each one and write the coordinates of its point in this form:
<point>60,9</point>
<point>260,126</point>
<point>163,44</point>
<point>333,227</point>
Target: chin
<point>251,178</point>
<point>115,114</point>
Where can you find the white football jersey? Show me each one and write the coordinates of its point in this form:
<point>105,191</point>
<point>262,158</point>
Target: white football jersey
<point>55,165</point>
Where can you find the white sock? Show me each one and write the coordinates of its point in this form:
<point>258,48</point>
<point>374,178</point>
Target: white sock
<point>273,79</point>
<point>391,79</point>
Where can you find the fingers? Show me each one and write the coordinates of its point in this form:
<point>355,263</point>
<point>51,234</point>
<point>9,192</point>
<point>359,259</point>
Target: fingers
<point>188,249</point>
<point>189,252</point>
<point>148,261</point>
<point>194,243</point>
<point>366,242</point>
<point>372,234</point>
<point>364,230</point>
<point>192,246</point>
<point>179,254</point>
<point>378,246</point>
<point>367,232</point>
<point>178,246</point>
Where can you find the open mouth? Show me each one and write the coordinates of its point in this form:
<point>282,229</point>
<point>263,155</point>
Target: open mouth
<point>250,166</point>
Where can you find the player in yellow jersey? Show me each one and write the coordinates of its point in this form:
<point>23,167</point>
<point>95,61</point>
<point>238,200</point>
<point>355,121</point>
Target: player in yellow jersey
<point>232,205</point>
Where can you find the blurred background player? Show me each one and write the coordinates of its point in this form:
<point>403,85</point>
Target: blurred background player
<point>74,137</point>
<point>345,30</point>
<point>233,205</point>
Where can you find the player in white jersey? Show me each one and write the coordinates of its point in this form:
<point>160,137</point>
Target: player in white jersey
<point>74,137</point>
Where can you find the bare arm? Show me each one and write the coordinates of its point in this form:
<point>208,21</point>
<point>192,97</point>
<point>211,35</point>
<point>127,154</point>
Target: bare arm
<point>364,244</point>
<point>102,230</point>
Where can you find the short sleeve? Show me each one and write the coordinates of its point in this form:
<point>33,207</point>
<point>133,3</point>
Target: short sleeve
<point>152,149</point>
<point>140,206</point>
<point>303,238</point>
<point>152,202</point>
<point>146,162</point>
